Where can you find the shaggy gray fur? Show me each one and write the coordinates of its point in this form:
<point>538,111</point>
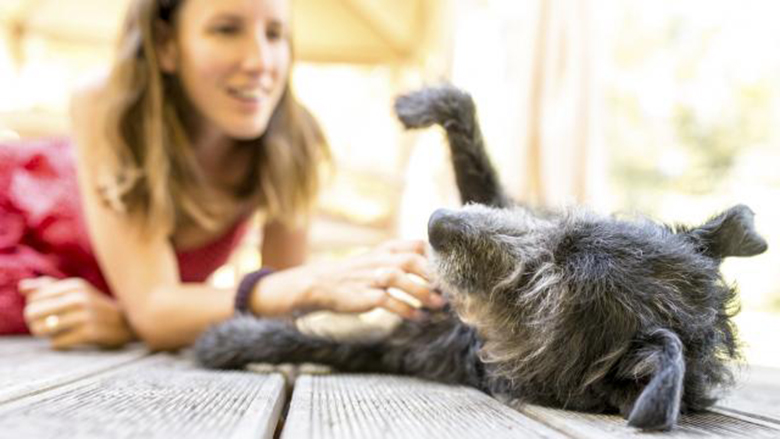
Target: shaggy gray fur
<point>568,309</point>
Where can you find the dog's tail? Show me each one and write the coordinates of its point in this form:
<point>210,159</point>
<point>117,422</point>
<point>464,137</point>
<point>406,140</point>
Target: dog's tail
<point>658,406</point>
<point>444,350</point>
<point>454,110</point>
<point>244,340</point>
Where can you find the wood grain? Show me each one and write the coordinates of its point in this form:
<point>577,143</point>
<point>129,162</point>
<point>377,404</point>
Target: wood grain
<point>158,397</point>
<point>30,366</point>
<point>383,406</point>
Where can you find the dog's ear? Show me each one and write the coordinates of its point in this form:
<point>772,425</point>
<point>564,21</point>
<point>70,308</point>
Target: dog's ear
<point>732,233</point>
<point>658,406</point>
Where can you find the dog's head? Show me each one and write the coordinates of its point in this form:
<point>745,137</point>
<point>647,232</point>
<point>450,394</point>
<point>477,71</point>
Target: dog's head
<point>572,299</point>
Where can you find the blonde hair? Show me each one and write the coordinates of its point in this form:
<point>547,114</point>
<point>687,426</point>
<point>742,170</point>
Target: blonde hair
<point>155,176</point>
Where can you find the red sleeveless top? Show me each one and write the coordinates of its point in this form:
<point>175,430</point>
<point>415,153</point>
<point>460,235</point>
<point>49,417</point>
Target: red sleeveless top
<point>42,229</point>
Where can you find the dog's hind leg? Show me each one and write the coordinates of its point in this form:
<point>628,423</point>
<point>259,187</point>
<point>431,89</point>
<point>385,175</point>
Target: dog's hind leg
<point>658,406</point>
<point>454,110</point>
<point>732,233</point>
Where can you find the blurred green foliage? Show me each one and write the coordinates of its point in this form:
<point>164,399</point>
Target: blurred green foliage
<point>692,117</point>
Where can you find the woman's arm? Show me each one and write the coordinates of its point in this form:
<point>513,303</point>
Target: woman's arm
<point>357,284</point>
<point>141,268</point>
<point>284,247</point>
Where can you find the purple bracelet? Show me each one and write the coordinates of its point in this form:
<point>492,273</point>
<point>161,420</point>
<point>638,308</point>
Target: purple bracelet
<point>245,288</point>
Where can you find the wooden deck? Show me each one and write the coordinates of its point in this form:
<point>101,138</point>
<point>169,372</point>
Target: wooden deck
<point>131,393</point>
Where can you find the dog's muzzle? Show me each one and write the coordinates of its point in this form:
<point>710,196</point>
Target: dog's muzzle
<point>444,226</point>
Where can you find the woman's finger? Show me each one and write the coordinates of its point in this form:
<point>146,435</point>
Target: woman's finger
<point>396,278</point>
<point>400,307</point>
<point>28,285</point>
<point>54,324</point>
<point>410,263</point>
<point>58,287</point>
<point>380,298</point>
<point>69,339</point>
<point>409,246</point>
<point>57,305</point>
<point>45,293</point>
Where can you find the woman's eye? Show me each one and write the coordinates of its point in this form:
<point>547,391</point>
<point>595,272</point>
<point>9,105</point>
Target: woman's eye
<point>226,30</point>
<point>274,32</point>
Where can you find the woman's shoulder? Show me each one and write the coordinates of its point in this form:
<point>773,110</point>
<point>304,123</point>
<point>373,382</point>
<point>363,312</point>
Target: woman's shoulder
<point>86,115</point>
<point>88,93</point>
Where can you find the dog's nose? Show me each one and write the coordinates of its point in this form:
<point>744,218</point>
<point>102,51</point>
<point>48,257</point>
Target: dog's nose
<point>443,225</point>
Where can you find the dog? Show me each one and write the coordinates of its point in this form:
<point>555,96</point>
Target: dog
<point>563,308</point>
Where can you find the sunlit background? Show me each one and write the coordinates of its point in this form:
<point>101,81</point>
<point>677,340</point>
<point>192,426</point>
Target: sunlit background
<point>669,108</point>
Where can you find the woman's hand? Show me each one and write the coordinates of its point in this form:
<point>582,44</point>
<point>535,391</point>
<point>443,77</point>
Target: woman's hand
<point>72,312</point>
<point>361,283</point>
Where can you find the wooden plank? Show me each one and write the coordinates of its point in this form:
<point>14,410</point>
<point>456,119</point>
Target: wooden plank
<point>590,426</point>
<point>756,396</point>
<point>29,365</point>
<point>378,406</point>
<point>158,397</point>
<point>16,344</point>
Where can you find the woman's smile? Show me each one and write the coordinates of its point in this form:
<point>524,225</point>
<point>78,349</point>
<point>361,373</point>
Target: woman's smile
<point>249,98</point>
<point>233,59</point>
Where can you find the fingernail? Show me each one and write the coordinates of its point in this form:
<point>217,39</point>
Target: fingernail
<point>438,301</point>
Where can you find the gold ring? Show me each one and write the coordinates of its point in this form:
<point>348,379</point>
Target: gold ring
<point>52,322</point>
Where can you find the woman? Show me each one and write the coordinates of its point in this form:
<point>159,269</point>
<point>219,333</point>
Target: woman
<point>194,129</point>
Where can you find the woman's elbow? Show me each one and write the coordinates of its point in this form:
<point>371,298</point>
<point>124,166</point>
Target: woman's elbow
<point>155,339</point>
<point>156,343</point>
<point>153,328</point>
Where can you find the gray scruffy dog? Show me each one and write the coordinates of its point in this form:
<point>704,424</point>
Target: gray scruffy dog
<point>567,309</point>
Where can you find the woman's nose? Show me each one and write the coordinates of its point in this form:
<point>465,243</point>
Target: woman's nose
<point>257,54</point>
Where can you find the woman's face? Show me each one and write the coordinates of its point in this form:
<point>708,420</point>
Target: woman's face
<point>233,58</point>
